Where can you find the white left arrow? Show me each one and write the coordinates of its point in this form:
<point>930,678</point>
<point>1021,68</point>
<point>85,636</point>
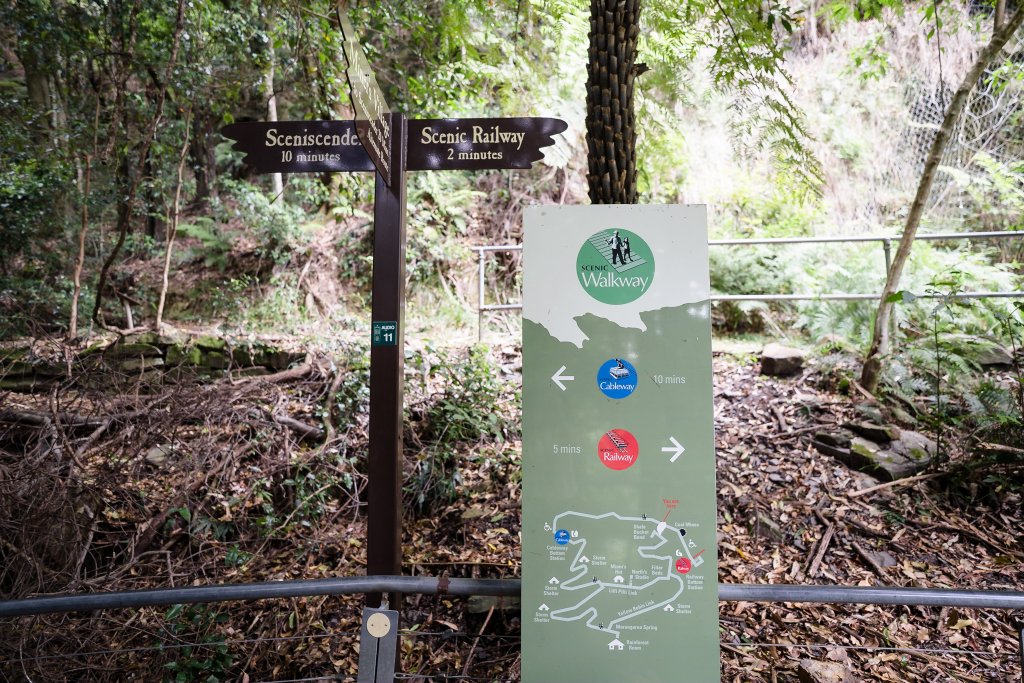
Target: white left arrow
<point>676,449</point>
<point>558,378</point>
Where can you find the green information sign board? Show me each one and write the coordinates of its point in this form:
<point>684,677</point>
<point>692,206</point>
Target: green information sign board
<point>385,333</point>
<point>619,547</point>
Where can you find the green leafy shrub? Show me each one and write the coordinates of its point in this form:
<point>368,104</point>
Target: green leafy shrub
<point>277,226</point>
<point>439,206</point>
<point>215,244</point>
<point>757,269</point>
<point>769,211</point>
<point>462,408</point>
<point>208,659</point>
<point>860,269</point>
<point>27,213</point>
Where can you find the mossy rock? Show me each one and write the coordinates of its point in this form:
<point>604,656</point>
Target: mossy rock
<point>24,384</point>
<point>133,350</point>
<point>157,339</point>
<point>280,360</point>
<point>215,360</point>
<point>13,354</point>
<point>256,371</point>
<point>180,354</point>
<point>244,355</point>
<point>24,368</point>
<point>211,343</point>
<point>93,349</point>
<point>138,364</point>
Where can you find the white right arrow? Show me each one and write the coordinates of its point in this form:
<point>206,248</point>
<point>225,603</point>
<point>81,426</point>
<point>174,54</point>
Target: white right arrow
<point>558,378</point>
<point>676,449</point>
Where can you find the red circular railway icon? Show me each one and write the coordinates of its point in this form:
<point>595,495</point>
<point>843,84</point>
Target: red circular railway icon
<point>683,565</point>
<point>618,449</point>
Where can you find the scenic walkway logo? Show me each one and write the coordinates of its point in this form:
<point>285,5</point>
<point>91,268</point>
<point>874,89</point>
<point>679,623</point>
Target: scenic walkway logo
<point>615,266</point>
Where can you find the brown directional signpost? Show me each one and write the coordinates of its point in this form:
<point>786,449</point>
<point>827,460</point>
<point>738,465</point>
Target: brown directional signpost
<point>386,142</point>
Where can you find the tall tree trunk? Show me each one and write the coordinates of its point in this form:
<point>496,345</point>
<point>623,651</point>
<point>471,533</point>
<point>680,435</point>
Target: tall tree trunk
<point>37,82</point>
<point>149,177</point>
<point>203,152</point>
<point>268,88</point>
<point>879,348</point>
<point>80,256</point>
<point>131,185</point>
<point>611,72</point>
<point>172,225</point>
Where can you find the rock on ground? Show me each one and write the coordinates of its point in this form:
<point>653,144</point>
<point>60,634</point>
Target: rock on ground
<point>781,361</point>
<point>904,456</point>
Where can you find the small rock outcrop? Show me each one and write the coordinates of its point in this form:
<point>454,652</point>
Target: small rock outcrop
<point>883,451</point>
<point>781,361</point>
<point>143,356</point>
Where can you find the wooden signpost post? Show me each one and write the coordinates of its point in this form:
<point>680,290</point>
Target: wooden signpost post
<point>386,142</point>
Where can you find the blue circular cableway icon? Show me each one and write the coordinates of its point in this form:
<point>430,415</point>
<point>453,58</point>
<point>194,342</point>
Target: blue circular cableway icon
<point>561,537</point>
<point>616,378</point>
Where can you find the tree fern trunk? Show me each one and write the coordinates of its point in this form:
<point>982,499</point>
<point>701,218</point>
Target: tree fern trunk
<point>611,71</point>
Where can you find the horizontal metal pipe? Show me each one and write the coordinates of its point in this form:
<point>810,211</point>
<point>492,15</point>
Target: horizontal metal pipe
<point>871,595</point>
<point>501,307</point>
<point>811,297</point>
<point>499,247</point>
<point>996,234</point>
<point>992,234</point>
<point>857,297</point>
<point>347,585</point>
<point>880,595</point>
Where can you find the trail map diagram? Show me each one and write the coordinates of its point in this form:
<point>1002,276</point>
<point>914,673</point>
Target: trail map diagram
<point>616,569</point>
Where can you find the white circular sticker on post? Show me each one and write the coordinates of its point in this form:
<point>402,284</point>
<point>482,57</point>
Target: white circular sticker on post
<point>378,625</point>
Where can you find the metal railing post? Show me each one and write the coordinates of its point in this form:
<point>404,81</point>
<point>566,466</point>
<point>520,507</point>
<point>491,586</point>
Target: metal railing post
<point>480,295</point>
<point>887,250</point>
<point>1021,651</point>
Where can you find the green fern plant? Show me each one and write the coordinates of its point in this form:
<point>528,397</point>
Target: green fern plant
<point>215,246</point>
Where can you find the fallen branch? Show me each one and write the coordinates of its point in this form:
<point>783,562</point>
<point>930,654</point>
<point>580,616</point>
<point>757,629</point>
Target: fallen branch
<point>894,483</point>
<point>780,418</point>
<point>43,420</point>
<point>826,540</point>
<point>332,392</point>
<point>975,535</point>
<point>297,372</point>
<point>871,562</point>
<point>92,438</point>
<point>476,641</point>
<point>304,430</point>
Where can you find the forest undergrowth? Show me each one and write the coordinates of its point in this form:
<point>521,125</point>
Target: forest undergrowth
<point>257,479</point>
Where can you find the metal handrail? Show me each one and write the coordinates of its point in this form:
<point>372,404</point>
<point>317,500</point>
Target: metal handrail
<point>994,234</point>
<point>863,595</point>
<point>886,240</point>
<point>430,585</point>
